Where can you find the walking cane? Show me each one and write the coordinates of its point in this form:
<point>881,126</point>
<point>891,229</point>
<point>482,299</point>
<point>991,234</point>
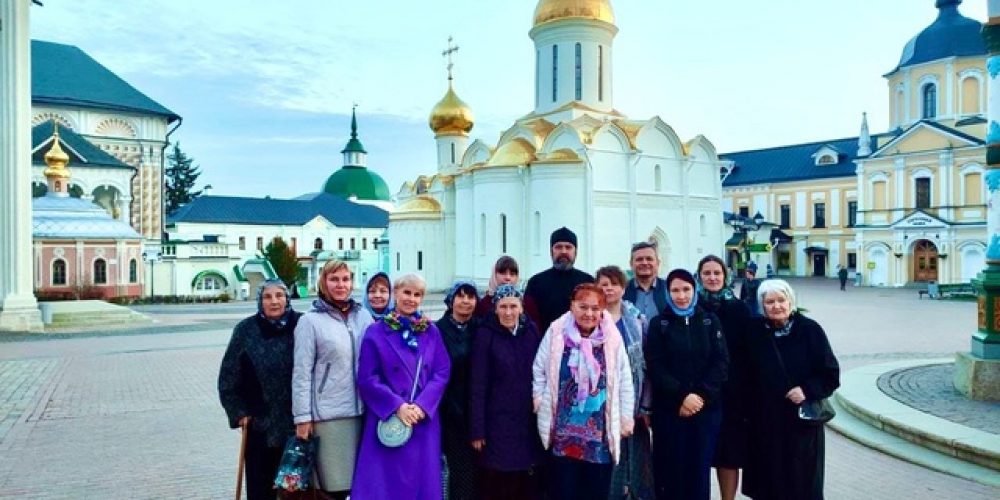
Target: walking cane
<point>239,469</point>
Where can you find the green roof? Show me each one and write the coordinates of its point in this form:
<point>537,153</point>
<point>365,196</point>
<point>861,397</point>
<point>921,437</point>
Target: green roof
<point>358,182</point>
<point>64,75</point>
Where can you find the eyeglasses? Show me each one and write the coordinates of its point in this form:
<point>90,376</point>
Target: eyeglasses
<point>642,245</point>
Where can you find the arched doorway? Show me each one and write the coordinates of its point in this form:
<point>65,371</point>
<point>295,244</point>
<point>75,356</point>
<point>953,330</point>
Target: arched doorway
<point>925,261</point>
<point>878,267</point>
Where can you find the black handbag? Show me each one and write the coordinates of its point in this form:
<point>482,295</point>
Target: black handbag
<point>814,412</point>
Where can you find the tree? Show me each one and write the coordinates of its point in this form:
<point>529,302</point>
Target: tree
<point>181,176</point>
<point>283,260</point>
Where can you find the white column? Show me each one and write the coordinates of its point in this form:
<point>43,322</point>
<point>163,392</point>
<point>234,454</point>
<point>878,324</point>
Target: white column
<point>18,309</point>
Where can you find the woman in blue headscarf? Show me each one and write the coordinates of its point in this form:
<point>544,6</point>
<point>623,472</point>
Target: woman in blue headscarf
<point>255,382</point>
<point>378,296</point>
<point>686,363</point>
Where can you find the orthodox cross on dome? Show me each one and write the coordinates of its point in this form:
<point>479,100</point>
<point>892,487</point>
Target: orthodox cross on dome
<point>354,121</point>
<point>452,48</point>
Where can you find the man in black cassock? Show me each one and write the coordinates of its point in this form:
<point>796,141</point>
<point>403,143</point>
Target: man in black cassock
<point>550,289</point>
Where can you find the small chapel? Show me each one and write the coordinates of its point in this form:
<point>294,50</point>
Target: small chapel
<point>574,160</point>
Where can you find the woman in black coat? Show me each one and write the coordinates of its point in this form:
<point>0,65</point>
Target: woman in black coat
<point>501,414</point>
<point>791,361</point>
<point>714,295</point>
<point>458,327</point>
<point>255,385</point>
<point>686,362</point>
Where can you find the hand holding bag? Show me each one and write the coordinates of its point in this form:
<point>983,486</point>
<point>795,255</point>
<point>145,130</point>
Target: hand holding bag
<point>392,432</point>
<point>815,412</point>
<point>295,473</point>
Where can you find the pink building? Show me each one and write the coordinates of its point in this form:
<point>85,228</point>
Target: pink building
<point>79,248</point>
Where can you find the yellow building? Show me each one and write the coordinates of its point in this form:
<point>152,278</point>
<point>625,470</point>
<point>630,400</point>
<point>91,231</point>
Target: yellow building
<point>899,207</point>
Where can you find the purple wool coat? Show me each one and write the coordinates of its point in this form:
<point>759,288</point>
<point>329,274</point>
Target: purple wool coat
<point>385,378</point>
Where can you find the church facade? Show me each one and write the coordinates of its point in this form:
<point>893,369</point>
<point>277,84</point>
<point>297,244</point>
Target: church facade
<point>573,161</point>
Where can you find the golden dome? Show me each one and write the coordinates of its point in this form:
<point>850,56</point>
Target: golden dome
<point>56,158</point>
<point>552,10</point>
<point>451,115</point>
<point>419,208</point>
<point>514,153</point>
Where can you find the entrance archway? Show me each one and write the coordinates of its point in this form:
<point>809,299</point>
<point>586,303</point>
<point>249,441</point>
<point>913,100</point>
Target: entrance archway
<point>925,261</point>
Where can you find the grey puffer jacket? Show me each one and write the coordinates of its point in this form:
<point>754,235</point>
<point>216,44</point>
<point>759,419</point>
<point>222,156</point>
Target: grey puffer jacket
<point>324,378</point>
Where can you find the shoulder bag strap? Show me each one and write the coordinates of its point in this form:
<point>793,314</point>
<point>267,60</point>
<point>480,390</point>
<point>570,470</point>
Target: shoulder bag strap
<point>416,378</point>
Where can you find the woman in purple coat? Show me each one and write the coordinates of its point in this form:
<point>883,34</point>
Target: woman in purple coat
<point>388,363</point>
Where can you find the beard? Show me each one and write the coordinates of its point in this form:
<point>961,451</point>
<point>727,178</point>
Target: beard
<point>562,263</point>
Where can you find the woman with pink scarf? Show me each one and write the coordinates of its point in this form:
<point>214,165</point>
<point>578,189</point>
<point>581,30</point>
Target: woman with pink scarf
<point>583,396</point>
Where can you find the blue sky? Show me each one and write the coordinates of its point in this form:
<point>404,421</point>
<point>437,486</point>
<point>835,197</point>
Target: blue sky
<point>265,88</point>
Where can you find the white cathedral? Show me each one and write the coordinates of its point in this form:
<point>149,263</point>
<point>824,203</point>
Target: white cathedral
<point>573,161</point>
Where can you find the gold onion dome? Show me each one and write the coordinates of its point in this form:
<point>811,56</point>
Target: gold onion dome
<point>553,10</point>
<point>56,159</point>
<point>451,115</point>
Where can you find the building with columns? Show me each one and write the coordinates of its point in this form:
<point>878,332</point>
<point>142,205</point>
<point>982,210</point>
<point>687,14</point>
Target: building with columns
<point>907,205</point>
<point>573,160</point>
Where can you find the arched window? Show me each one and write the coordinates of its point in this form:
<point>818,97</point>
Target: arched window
<point>579,72</point>
<point>537,243</point>
<point>703,225</point>
<point>538,77</point>
<point>482,234</point>
<point>555,72</point>
<point>969,89</point>
<point>133,271</point>
<point>318,244</point>
<point>503,233</point>
<point>929,94</point>
<point>453,152</point>
<point>657,178</point>
<point>59,272</point>
<point>100,272</point>
<point>600,73</point>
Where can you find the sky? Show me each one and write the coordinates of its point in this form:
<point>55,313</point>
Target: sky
<point>265,88</point>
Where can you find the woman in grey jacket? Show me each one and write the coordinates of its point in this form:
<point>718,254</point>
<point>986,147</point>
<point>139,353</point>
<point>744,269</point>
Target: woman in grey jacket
<point>325,398</point>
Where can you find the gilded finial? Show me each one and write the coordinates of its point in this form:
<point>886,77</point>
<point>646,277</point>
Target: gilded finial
<point>56,159</point>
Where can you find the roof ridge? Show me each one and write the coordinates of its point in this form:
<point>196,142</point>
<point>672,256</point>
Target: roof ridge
<point>811,143</point>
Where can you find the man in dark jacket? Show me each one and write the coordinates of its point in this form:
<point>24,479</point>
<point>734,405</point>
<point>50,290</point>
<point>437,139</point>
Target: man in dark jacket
<point>646,289</point>
<point>550,289</point>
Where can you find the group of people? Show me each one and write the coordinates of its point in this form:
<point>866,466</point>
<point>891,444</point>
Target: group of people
<point>579,387</point>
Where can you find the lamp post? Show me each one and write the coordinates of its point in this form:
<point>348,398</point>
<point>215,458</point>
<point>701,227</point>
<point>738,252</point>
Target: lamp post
<point>152,256</point>
<point>743,225</point>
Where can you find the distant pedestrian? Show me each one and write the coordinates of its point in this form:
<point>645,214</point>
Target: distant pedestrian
<point>842,275</point>
<point>255,382</point>
<point>770,271</point>
<point>748,289</point>
<point>790,361</point>
<point>550,289</point>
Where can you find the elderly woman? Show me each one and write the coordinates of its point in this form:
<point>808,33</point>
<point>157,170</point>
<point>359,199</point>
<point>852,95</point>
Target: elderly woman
<point>403,370</point>
<point>791,362</point>
<point>584,396</point>
<point>633,476</point>
<point>686,364</point>
<point>255,382</point>
<point>325,399</point>
<point>457,327</point>
<point>378,295</point>
<point>715,296</point>
<point>505,272</point>
<point>501,417</point>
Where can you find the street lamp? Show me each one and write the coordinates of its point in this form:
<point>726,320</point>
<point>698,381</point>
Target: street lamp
<point>742,225</point>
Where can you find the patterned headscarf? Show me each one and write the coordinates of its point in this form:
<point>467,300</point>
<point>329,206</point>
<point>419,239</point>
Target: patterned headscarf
<point>460,286</point>
<point>504,291</point>
<point>274,283</point>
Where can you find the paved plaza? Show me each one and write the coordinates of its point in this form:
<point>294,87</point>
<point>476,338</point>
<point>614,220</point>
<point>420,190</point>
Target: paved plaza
<point>136,414</point>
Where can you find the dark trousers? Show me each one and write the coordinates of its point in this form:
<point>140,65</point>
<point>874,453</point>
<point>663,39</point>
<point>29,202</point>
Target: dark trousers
<point>843,283</point>
<point>261,466</point>
<point>682,454</point>
<point>571,479</point>
<point>503,485</point>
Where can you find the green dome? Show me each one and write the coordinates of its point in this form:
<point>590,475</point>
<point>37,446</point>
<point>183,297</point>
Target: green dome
<point>358,182</point>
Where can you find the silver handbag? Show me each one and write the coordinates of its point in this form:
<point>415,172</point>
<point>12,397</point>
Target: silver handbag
<point>392,432</point>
